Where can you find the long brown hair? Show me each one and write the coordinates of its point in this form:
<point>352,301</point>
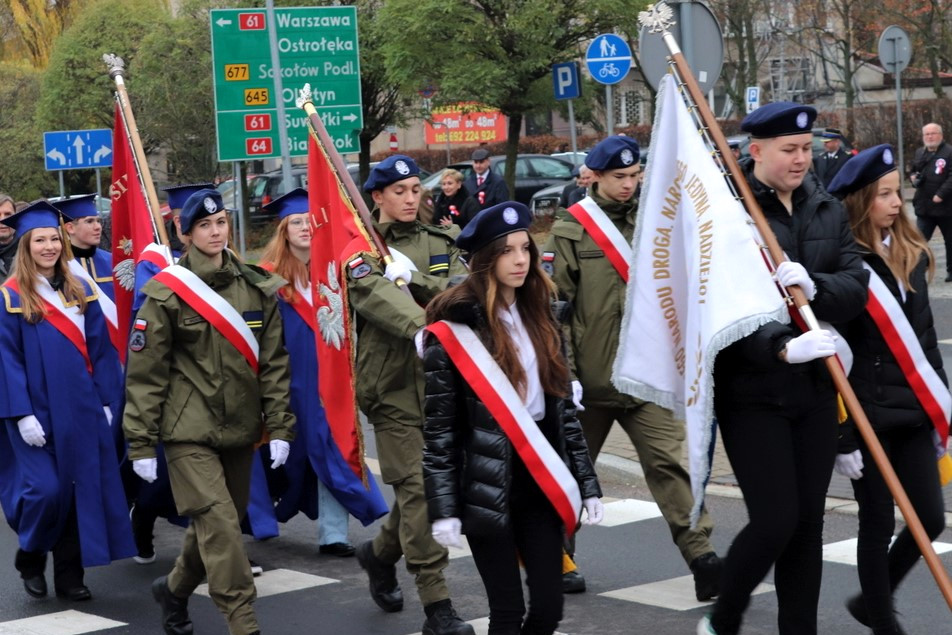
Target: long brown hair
<point>906,244</point>
<point>25,273</point>
<point>279,258</point>
<point>534,301</point>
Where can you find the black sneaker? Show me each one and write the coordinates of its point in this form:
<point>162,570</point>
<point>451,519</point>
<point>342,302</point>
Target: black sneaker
<point>383,579</point>
<point>443,620</point>
<point>573,582</point>
<point>142,534</point>
<point>707,570</point>
<point>175,619</point>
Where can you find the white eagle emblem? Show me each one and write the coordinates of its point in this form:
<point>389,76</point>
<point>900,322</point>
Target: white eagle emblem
<point>210,205</point>
<point>627,156</point>
<point>402,167</point>
<point>330,318</point>
<point>125,274</point>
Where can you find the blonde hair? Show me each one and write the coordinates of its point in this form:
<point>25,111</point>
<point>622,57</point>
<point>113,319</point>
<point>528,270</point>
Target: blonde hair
<point>456,174</point>
<point>278,257</point>
<point>26,273</point>
<point>906,244</point>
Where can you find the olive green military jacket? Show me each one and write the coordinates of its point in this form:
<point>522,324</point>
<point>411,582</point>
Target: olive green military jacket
<point>389,372</point>
<point>596,294</point>
<point>186,383</point>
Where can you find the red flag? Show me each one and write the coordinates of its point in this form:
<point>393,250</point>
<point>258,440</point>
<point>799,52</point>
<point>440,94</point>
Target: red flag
<point>333,228</point>
<point>131,226</point>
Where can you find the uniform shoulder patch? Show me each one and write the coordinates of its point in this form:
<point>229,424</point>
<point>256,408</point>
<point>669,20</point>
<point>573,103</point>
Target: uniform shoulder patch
<point>137,339</point>
<point>440,263</point>
<point>358,268</point>
<point>548,262</point>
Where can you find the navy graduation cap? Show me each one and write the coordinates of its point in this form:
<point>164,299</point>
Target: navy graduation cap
<point>294,202</point>
<point>36,215</point>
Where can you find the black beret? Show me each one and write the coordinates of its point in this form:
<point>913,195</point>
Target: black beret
<point>199,205</point>
<point>613,153</point>
<point>394,168</point>
<point>779,119</point>
<point>493,222</point>
<point>865,168</point>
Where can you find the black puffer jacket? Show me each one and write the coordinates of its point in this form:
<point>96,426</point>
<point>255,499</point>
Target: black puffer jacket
<point>749,372</point>
<point>933,177</point>
<point>468,462</point>
<point>880,384</point>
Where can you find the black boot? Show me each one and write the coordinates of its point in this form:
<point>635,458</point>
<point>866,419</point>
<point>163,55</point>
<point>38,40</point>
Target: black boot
<point>383,579</point>
<point>707,570</point>
<point>856,606</point>
<point>441,619</point>
<point>175,619</point>
<point>573,582</point>
<point>31,565</point>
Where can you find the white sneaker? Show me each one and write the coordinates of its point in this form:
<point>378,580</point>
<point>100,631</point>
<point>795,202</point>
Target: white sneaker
<point>704,627</point>
<point>257,569</point>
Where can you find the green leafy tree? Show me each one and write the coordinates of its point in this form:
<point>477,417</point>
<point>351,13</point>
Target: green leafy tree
<point>22,173</point>
<point>492,51</point>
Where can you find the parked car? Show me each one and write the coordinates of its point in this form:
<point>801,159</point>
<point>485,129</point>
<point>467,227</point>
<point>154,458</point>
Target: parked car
<point>744,141</point>
<point>264,188</point>
<point>533,172</point>
<point>546,201</point>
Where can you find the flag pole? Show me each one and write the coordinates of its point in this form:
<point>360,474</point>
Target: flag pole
<point>658,19</point>
<point>326,144</point>
<point>116,70</point>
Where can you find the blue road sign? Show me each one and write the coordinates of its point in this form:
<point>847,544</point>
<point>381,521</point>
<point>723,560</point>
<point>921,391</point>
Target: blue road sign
<point>608,58</point>
<point>565,80</point>
<point>77,149</point>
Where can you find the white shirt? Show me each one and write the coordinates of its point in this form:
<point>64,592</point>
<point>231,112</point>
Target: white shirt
<point>535,399</point>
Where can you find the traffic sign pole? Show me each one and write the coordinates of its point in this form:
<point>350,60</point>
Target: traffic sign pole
<point>279,95</point>
<point>899,144</point>
<point>895,53</point>
<point>572,134</point>
<point>565,83</point>
<point>609,110</point>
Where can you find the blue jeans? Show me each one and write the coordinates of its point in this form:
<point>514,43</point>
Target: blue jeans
<point>332,518</point>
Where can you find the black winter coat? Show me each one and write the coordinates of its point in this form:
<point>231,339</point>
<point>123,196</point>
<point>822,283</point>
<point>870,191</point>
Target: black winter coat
<point>880,384</point>
<point>932,172</point>
<point>749,373</point>
<point>468,462</point>
<point>465,206</point>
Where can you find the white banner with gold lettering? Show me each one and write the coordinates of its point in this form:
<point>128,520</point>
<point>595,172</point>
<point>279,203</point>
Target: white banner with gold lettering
<point>697,281</point>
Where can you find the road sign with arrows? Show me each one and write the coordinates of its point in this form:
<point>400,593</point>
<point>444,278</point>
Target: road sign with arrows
<point>77,149</point>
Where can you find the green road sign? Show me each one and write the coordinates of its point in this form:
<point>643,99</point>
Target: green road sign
<point>316,45</point>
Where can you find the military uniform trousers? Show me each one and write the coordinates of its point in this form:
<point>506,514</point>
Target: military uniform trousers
<point>211,488</point>
<point>658,440</point>
<point>406,530</point>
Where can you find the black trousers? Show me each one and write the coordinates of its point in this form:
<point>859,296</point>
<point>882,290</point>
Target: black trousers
<point>68,570</point>
<point>881,568</point>
<point>783,461</point>
<point>535,537</point>
<point>927,225</point>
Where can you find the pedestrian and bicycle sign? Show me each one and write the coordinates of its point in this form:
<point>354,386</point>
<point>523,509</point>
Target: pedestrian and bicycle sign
<point>316,45</point>
<point>77,149</point>
<point>608,58</point>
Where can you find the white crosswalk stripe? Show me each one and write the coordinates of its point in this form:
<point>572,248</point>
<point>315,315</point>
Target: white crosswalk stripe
<point>61,623</point>
<point>279,581</point>
<point>844,551</point>
<point>628,510</point>
<point>676,594</point>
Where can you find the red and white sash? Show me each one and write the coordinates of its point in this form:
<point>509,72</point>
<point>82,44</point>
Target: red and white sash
<point>157,254</point>
<point>105,303</point>
<point>604,233</point>
<point>303,305</point>
<point>494,389</point>
<point>206,302</point>
<point>928,387</point>
<point>67,320</point>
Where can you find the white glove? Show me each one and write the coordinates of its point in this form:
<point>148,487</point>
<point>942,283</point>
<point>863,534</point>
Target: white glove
<point>32,431</point>
<point>108,412</point>
<point>446,531</point>
<point>147,469</point>
<point>850,465</point>
<point>279,452</point>
<point>396,270</point>
<point>418,342</point>
<point>809,346</point>
<point>577,395</point>
<point>594,511</point>
<point>790,273</point>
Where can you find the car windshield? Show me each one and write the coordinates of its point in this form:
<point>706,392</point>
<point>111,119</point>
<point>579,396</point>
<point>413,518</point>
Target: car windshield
<point>550,168</point>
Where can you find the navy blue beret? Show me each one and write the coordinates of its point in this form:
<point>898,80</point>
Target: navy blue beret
<point>779,119</point>
<point>493,222</point>
<point>178,194</point>
<point>865,168</point>
<point>394,168</point>
<point>199,205</point>
<point>613,153</point>
<point>76,207</point>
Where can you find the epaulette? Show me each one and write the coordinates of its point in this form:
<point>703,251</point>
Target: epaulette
<point>568,228</point>
<point>449,232</point>
<point>157,291</point>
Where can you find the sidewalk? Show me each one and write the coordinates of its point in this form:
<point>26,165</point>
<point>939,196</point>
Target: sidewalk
<point>618,451</point>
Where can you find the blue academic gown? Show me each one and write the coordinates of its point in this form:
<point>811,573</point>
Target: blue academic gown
<point>314,454</point>
<point>99,268</point>
<point>45,375</point>
<point>260,521</point>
